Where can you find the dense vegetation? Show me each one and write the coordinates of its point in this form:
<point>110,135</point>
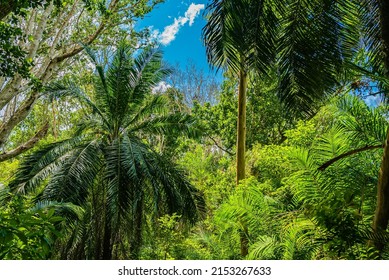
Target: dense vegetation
<point>286,158</point>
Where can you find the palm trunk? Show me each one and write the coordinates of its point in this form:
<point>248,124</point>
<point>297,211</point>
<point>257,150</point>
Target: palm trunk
<point>241,135</point>
<point>136,241</point>
<point>6,8</point>
<point>241,149</point>
<point>381,216</point>
<point>107,244</point>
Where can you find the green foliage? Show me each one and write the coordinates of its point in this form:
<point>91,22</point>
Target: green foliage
<point>8,169</point>
<point>291,209</point>
<point>210,172</point>
<point>12,58</point>
<point>266,121</point>
<point>27,232</point>
<point>167,239</point>
<point>339,200</point>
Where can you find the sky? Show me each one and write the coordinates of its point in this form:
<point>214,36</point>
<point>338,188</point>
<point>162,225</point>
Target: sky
<point>176,25</point>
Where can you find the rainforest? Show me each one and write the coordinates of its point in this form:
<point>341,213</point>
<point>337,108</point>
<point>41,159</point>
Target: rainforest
<point>109,152</point>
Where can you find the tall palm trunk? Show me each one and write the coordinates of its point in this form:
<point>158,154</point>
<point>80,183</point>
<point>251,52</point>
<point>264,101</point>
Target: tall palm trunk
<point>381,216</point>
<point>241,149</point>
<point>241,135</point>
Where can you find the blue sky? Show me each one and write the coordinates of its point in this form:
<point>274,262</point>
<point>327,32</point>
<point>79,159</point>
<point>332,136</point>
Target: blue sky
<point>176,25</point>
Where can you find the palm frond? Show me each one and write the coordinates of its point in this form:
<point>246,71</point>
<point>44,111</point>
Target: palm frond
<point>123,180</point>
<point>298,240</point>
<point>70,89</point>
<point>310,54</point>
<point>152,105</point>
<point>68,210</point>
<point>72,180</point>
<point>265,248</point>
<point>240,34</point>
<point>147,72</point>
<point>171,124</point>
<point>37,166</point>
<point>332,144</point>
<point>220,47</point>
<point>364,124</point>
<point>118,84</point>
<point>370,17</point>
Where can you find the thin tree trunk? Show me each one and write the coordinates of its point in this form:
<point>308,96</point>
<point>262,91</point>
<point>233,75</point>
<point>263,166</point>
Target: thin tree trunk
<point>55,114</point>
<point>241,135</point>
<point>381,216</point>
<point>241,150</point>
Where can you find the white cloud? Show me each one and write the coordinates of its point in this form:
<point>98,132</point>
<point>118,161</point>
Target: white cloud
<point>193,11</point>
<point>170,31</point>
<point>161,87</point>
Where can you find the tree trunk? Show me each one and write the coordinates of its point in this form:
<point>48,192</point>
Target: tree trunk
<point>381,216</point>
<point>107,242</point>
<point>241,127</point>
<point>241,150</point>
<point>6,8</point>
<point>136,240</point>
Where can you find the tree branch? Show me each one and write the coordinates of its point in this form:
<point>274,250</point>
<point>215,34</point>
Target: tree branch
<point>221,148</point>
<point>349,153</point>
<point>19,115</point>
<point>88,41</point>
<point>27,145</point>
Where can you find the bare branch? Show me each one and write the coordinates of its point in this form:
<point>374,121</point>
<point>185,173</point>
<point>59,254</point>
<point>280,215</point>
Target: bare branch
<point>221,148</point>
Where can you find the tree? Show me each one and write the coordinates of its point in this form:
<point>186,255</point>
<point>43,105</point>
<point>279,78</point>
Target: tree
<point>234,35</point>
<point>237,36</point>
<point>194,84</point>
<point>49,42</point>
<point>108,167</point>
<point>17,6</point>
<point>339,27</point>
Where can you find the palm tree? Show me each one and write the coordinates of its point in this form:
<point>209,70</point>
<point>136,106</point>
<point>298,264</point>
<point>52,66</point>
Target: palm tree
<point>108,167</point>
<point>244,35</point>
<point>237,37</point>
